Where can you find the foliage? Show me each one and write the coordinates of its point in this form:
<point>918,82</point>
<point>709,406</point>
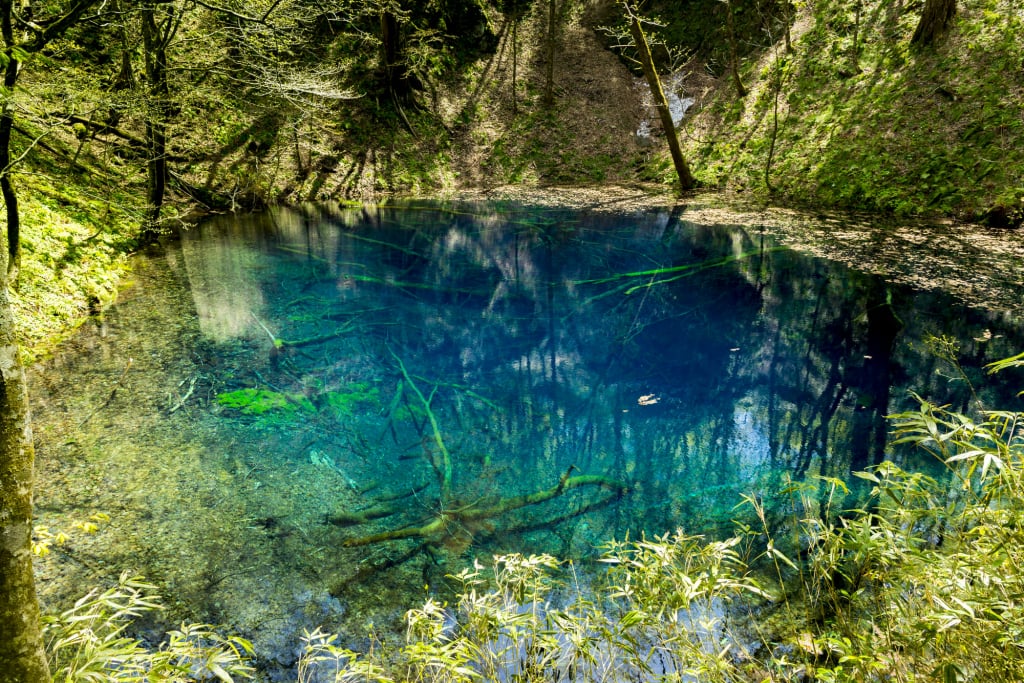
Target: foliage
<point>659,615</point>
<point>926,579</point>
<point>74,237</point>
<point>43,538</point>
<point>88,643</point>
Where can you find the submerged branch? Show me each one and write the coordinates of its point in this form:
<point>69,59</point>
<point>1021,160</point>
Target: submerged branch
<point>313,341</point>
<point>452,522</point>
<point>445,470</point>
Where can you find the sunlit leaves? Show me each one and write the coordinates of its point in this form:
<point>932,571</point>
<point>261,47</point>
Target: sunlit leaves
<point>88,642</point>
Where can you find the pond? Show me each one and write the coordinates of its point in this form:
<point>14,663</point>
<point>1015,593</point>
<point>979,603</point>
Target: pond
<point>311,416</point>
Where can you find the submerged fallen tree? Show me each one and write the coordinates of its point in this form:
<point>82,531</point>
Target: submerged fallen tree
<point>455,523</point>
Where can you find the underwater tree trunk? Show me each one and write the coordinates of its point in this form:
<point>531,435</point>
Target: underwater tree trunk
<point>935,18</point>
<point>22,656</point>
<point>686,179</point>
<point>456,521</point>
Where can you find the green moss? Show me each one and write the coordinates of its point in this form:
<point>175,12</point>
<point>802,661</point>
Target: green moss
<point>73,242</point>
<point>262,402</point>
<point>343,404</point>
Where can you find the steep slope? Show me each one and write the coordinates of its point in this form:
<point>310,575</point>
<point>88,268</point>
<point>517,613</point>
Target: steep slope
<point>855,117</point>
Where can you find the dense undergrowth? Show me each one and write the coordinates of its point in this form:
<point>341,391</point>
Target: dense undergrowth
<point>77,229</point>
<point>920,581</point>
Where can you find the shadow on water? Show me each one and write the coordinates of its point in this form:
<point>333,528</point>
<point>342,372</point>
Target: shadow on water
<point>279,392</point>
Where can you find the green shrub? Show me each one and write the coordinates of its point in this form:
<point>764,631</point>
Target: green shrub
<point>88,643</point>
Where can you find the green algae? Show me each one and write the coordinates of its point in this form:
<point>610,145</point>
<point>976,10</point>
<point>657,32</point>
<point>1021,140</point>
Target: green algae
<point>356,396</point>
<point>341,404</point>
<point>262,401</point>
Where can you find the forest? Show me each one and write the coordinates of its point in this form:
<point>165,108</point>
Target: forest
<point>884,135</point>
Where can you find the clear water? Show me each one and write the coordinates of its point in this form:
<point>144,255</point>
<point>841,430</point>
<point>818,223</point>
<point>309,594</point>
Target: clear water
<point>687,364</point>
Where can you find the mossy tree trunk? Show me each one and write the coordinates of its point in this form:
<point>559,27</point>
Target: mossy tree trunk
<point>935,18</point>
<point>22,657</point>
<point>460,520</point>
<point>686,179</point>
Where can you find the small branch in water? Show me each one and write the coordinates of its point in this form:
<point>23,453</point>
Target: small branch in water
<point>445,469</point>
<point>188,394</point>
<point>273,340</point>
<point>113,392</point>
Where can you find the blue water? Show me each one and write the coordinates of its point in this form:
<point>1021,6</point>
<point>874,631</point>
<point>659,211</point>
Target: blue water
<point>265,421</point>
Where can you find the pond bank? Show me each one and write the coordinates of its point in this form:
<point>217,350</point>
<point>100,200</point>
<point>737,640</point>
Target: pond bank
<point>927,254</point>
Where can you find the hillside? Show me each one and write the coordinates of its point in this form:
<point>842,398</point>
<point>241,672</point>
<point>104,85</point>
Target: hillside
<point>863,120</point>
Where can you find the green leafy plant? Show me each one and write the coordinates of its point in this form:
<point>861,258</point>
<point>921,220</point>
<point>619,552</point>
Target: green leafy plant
<point>659,615</point>
<point>89,643</point>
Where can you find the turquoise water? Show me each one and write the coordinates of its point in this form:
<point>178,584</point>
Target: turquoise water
<point>278,391</point>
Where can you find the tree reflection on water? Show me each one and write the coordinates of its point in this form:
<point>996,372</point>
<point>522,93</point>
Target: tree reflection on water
<point>276,360</point>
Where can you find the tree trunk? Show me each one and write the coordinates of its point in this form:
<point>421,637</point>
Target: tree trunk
<point>22,656</point>
<point>22,652</point>
<point>787,15</point>
<point>935,18</point>
<point>6,127</point>
<point>125,79</point>
<point>515,62</point>
<point>395,72</point>
<point>155,46</point>
<point>549,86</point>
<point>686,179</point>
<point>734,57</point>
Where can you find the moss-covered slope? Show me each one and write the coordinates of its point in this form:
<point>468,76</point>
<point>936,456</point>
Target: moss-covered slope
<point>861,119</point>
